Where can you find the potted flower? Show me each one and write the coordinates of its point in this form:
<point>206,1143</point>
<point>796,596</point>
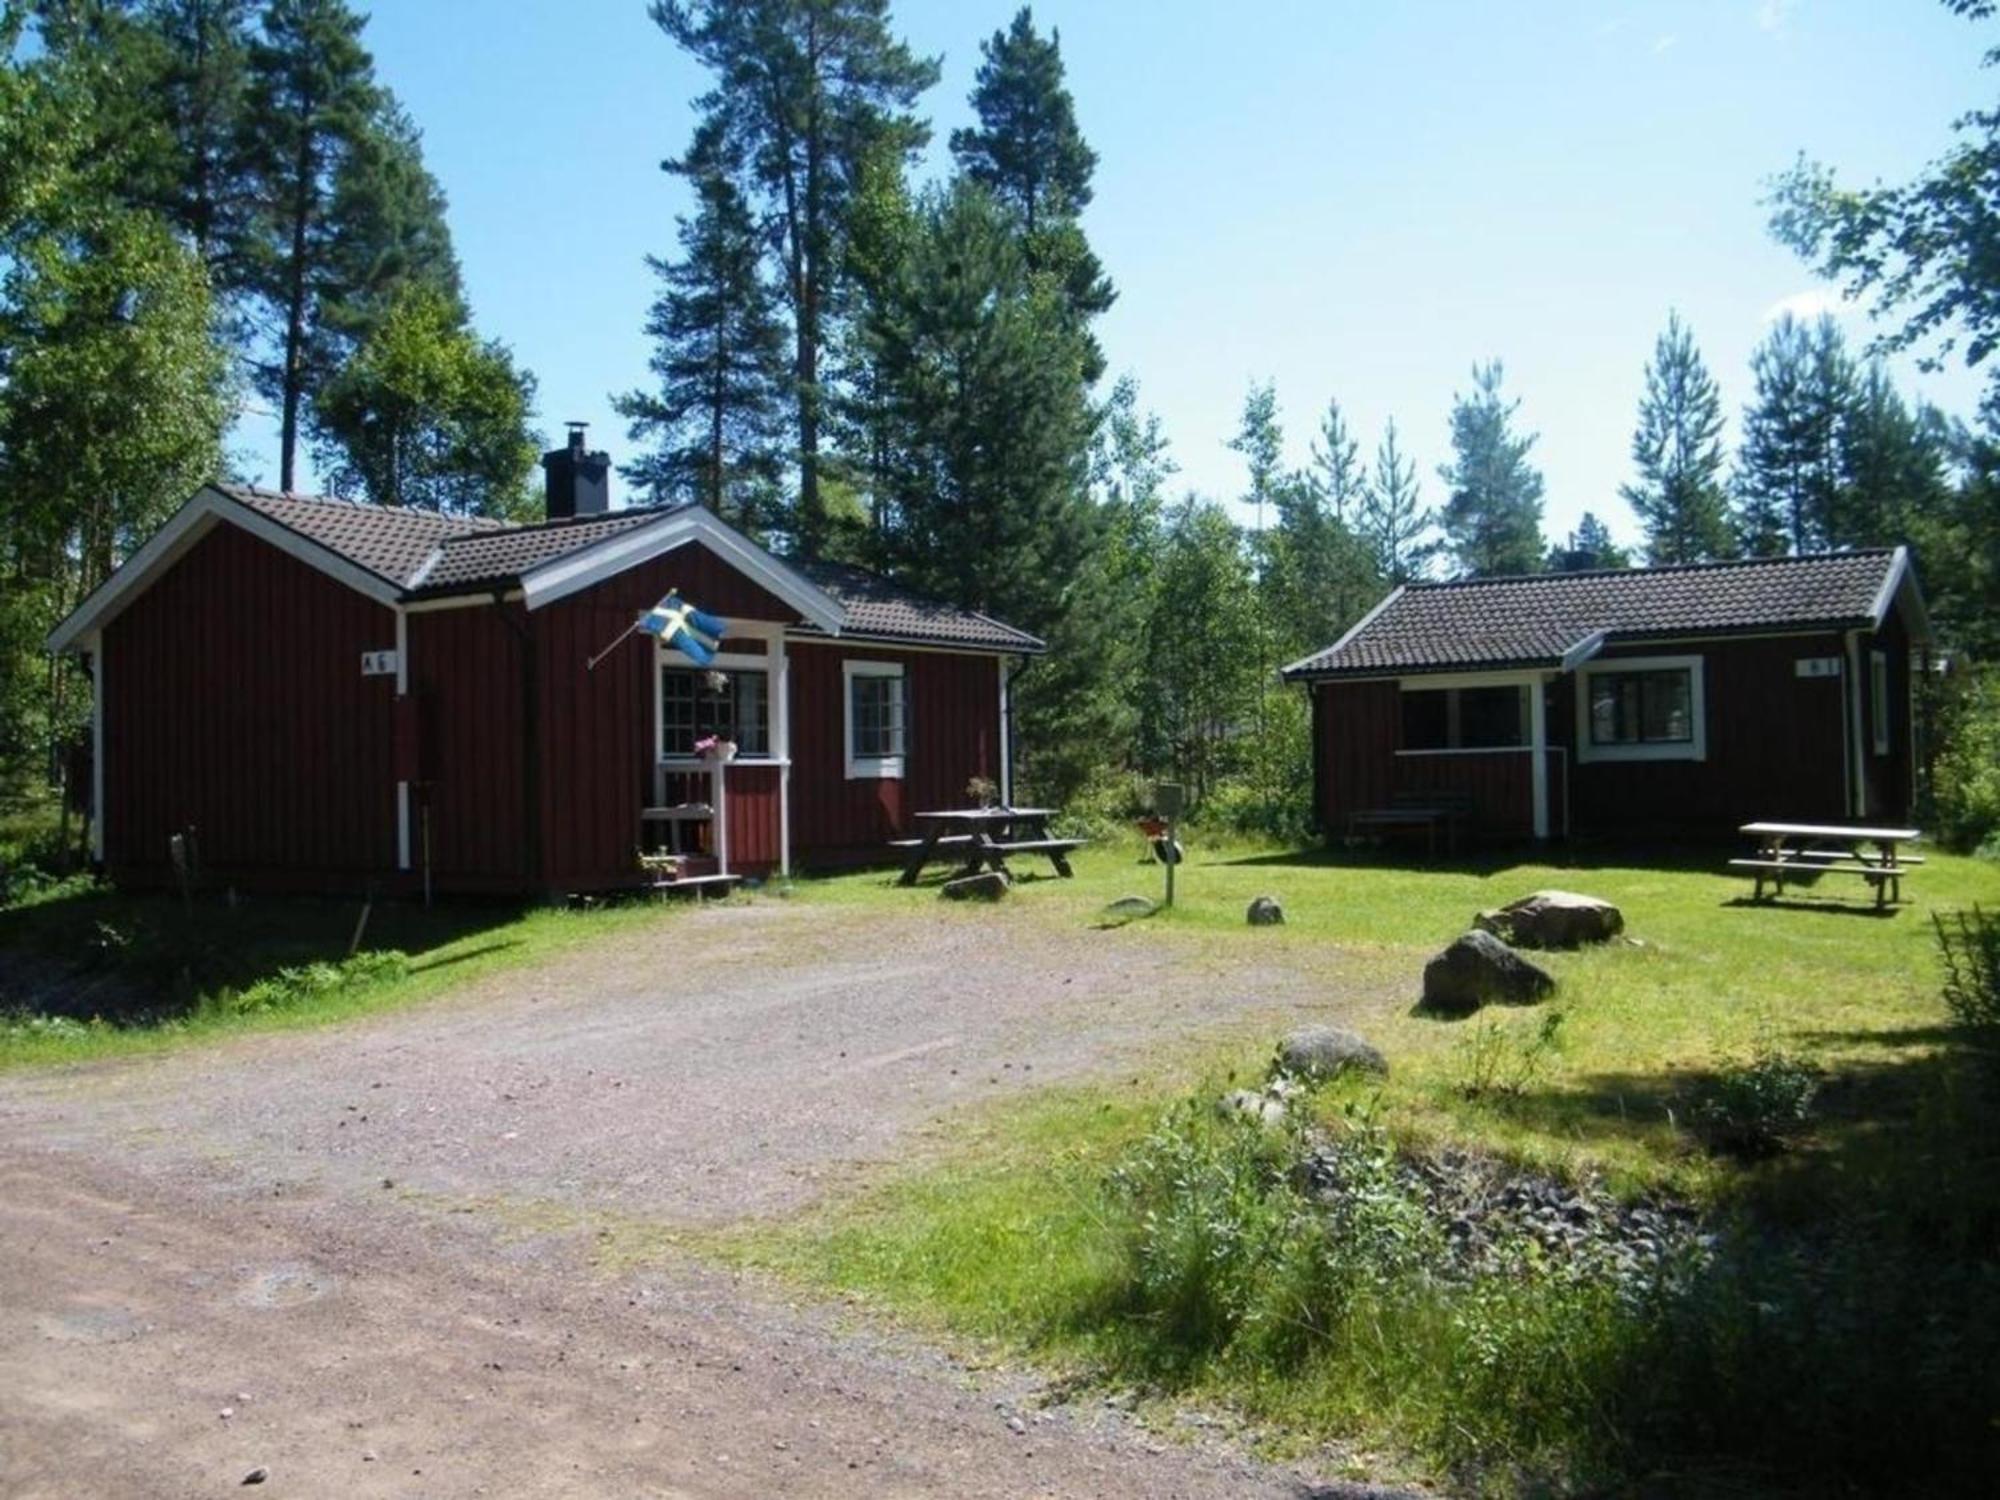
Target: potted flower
<point>714,747</point>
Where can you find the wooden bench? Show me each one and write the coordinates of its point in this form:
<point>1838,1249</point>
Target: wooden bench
<point>1801,851</point>
<point>1425,810</point>
<point>943,841</point>
<point>1056,849</point>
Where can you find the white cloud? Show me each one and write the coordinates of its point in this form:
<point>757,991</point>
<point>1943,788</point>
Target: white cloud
<point>1805,305</point>
<point>1664,43</point>
<point>1772,14</point>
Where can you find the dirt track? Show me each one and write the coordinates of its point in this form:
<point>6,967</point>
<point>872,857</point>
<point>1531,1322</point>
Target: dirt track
<point>370,1244</point>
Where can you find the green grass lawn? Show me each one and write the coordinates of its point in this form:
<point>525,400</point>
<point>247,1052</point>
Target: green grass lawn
<point>1019,1233</point>
<point>1708,980</point>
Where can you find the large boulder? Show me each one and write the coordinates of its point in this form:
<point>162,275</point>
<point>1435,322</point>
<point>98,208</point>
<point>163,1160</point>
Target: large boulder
<point>1479,969</point>
<point>1326,1052</point>
<point>987,885</point>
<point>1266,912</point>
<point>1553,919</point>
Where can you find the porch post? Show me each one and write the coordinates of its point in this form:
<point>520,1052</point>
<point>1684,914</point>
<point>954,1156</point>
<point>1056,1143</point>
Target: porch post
<point>1538,751</point>
<point>720,771</point>
<point>402,692</point>
<point>781,715</point>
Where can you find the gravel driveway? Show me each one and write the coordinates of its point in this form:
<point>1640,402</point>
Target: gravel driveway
<point>356,1255</point>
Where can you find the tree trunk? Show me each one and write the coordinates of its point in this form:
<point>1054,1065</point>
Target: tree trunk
<point>295,311</point>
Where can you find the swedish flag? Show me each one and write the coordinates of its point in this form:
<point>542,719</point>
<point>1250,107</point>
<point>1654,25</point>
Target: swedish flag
<point>693,632</point>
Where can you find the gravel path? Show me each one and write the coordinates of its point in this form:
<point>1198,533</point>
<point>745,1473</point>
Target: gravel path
<point>353,1254</point>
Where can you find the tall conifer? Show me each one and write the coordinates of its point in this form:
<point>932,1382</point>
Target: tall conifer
<point>1493,510</point>
<point>1678,495</point>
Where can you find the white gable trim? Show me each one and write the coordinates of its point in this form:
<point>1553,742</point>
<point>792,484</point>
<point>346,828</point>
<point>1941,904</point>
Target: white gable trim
<point>1359,625</point>
<point>563,576</point>
<point>188,525</point>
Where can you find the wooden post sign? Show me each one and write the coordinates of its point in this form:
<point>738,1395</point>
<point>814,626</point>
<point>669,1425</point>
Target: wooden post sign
<point>1169,802</point>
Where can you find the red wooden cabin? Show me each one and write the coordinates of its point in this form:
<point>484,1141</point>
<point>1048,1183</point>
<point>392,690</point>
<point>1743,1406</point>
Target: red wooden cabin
<point>1691,698</point>
<point>330,695</point>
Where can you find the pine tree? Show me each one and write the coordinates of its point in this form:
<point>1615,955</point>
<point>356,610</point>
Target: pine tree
<point>805,92</point>
<point>1260,438</point>
<point>312,95</point>
<point>1677,447</point>
<point>714,419</point>
<point>1493,512</point>
<point>1892,465</point>
<point>1321,575</point>
<point>1589,548</point>
<point>201,92</point>
<point>1393,521</point>
<point>1789,472</point>
<point>988,424</point>
<point>1028,152</point>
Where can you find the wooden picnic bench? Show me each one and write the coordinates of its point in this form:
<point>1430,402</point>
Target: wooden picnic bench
<point>982,838</point>
<point>1813,849</point>
<point>1427,810</point>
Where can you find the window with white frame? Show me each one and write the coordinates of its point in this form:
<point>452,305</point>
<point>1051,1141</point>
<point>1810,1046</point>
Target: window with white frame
<point>1878,698</point>
<point>1641,708</point>
<point>731,705</point>
<point>877,718</point>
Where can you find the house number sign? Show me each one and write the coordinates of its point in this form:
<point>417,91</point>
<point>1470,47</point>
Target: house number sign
<point>1818,666</point>
<point>378,664</point>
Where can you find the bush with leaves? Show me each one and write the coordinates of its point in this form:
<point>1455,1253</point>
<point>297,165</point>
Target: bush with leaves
<point>1756,1108</point>
<point>1969,944</point>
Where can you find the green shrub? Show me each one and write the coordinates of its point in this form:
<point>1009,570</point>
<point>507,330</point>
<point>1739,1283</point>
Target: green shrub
<point>1756,1108</point>
<point>1969,943</point>
<point>1965,773</point>
<point>305,984</point>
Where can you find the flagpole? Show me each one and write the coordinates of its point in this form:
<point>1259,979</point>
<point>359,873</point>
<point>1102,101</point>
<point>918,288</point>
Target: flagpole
<point>591,665</point>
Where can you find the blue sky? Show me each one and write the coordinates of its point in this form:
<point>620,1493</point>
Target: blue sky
<point>1354,200</point>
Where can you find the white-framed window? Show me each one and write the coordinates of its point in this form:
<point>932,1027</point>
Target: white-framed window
<point>877,719</point>
<point>733,704</point>
<point>1641,708</point>
<point>1878,698</point>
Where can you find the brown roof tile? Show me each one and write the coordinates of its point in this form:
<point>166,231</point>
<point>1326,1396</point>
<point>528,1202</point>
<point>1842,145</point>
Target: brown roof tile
<point>427,554</point>
<point>876,607</point>
<point>1532,621</point>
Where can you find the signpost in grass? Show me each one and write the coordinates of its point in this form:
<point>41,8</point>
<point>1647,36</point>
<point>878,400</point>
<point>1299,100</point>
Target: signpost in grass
<point>1169,802</point>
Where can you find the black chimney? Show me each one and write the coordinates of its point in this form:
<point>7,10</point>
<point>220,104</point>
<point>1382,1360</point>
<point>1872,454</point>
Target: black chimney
<point>579,483</point>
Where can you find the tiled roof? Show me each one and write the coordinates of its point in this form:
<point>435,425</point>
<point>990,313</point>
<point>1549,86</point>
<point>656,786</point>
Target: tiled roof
<point>1533,621</point>
<point>876,607</point>
<point>390,543</point>
<point>501,555</point>
<point>426,554</point>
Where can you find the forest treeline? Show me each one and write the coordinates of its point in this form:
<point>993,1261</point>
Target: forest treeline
<point>210,202</point>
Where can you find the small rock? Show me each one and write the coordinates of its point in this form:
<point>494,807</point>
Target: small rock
<point>226,1413</point>
<point>1326,1052</point>
<point>1477,969</point>
<point>1130,907</point>
<point>1265,912</point>
<point>987,885</point>
<point>1015,1424</point>
<point>369,1456</point>
<point>257,1475</point>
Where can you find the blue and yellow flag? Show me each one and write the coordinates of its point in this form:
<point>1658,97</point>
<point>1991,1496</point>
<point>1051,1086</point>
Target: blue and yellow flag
<point>692,632</point>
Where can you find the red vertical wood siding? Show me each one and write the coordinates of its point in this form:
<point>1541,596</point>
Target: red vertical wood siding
<point>1356,727</point>
<point>597,726</point>
<point>465,674</point>
<point>952,735</point>
<point>234,703</point>
<point>1776,745</point>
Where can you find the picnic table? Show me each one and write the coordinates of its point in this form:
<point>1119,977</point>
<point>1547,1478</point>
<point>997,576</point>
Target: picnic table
<point>982,838</point>
<point>1830,848</point>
